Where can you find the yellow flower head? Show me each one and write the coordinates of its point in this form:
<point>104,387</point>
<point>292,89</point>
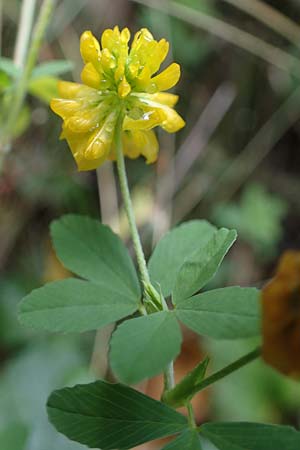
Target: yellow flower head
<point>118,82</point>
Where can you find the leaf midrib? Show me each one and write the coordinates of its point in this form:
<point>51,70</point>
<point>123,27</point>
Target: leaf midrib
<point>133,421</point>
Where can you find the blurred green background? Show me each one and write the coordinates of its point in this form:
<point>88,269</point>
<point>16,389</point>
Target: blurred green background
<point>236,163</point>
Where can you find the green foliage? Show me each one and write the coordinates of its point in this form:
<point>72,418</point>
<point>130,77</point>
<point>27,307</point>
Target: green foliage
<point>254,436</point>
<point>92,251</point>
<point>182,393</point>
<point>265,231</point>
<point>7,65</point>
<point>14,436</point>
<point>228,313</point>
<point>144,346</point>
<point>74,306</point>
<point>44,88</point>
<point>25,382</point>
<point>109,416</point>
<point>43,82</point>
<point>95,252</point>
<point>52,68</point>
<point>202,265</point>
<point>188,440</point>
<point>174,248</point>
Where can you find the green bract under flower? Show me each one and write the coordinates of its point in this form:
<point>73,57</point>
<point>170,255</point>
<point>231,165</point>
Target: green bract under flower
<point>118,82</point>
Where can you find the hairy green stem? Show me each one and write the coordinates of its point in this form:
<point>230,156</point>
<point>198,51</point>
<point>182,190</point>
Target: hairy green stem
<point>238,364</point>
<point>149,290</point>
<point>191,416</point>
<point>129,209</point>
<point>21,88</point>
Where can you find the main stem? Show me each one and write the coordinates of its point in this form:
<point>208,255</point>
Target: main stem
<point>128,207</point>
<point>169,373</point>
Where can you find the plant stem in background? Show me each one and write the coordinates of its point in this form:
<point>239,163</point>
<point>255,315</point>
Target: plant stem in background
<point>108,202</point>
<point>271,17</point>
<point>21,88</point>
<point>229,33</point>
<point>24,32</point>
<point>238,364</point>
<point>255,151</point>
<point>169,381</point>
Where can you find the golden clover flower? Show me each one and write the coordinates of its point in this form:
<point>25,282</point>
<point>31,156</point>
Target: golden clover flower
<point>281,316</point>
<point>118,82</point>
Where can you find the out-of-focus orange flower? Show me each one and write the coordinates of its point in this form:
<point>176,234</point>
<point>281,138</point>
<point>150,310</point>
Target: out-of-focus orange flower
<point>281,316</point>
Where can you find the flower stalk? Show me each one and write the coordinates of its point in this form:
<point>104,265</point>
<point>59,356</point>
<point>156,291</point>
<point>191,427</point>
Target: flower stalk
<point>128,206</point>
<point>150,293</point>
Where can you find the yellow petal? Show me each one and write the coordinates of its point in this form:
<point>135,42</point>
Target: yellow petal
<point>133,70</point>
<point>124,88</point>
<point>125,36</point>
<point>90,48</point>
<point>119,72</point>
<point>91,76</point>
<point>173,121</point>
<point>158,55</point>
<point>138,143</point>
<point>83,121</point>
<point>108,61</point>
<point>110,39</point>
<point>63,107</point>
<point>67,89</point>
<point>164,98</point>
<point>149,119</point>
<point>99,144</point>
<point>141,38</point>
<point>142,82</point>
<point>167,78</point>
<point>78,143</point>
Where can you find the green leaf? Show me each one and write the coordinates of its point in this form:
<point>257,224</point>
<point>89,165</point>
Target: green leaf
<point>110,416</point>
<point>266,230</point>
<point>7,65</point>
<point>198,269</point>
<point>228,313</point>
<point>14,436</point>
<point>251,436</point>
<point>44,88</point>
<point>75,306</point>
<point>93,251</point>
<point>174,248</point>
<point>143,347</point>
<point>185,389</point>
<point>188,440</point>
<point>52,68</point>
